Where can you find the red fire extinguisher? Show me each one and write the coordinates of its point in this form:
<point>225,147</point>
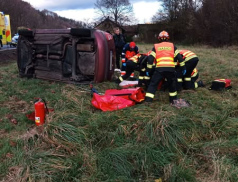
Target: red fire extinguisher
<point>40,112</point>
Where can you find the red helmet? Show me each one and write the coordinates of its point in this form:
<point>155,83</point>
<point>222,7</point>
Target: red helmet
<point>132,45</point>
<point>163,36</point>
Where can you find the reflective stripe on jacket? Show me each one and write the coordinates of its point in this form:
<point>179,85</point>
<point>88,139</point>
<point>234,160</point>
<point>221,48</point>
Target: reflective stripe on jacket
<point>135,58</point>
<point>194,73</point>
<point>187,55</point>
<point>164,54</point>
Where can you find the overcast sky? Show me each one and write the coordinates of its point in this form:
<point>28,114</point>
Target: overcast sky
<point>83,10</point>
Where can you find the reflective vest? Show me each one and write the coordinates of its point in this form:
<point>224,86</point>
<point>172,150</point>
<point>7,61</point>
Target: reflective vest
<point>135,58</point>
<point>187,55</point>
<point>164,54</point>
<point>194,73</point>
<point>130,54</point>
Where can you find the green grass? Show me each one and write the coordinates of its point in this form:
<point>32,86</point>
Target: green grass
<point>140,143</point>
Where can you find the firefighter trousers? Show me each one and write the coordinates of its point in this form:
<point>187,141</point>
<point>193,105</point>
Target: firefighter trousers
<point>193,81</point>
<point>190,65</point>
<point>128,69</point>
<point>124,69</point>
<point>157,77</point>
<point>179,76</point>
<point>180,83</point>
<point>118,57</point>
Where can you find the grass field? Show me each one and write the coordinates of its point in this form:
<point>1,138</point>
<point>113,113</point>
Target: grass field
<point>140,143</point>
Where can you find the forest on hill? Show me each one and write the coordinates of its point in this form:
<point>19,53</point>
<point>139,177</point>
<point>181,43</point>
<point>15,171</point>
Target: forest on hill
<point>22,14</point>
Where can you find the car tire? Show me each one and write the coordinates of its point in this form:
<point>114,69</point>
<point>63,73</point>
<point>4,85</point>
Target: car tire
<point>81,32</point>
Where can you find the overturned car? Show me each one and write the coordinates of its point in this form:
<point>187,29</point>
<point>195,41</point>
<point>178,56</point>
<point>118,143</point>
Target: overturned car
<point>68,55</point>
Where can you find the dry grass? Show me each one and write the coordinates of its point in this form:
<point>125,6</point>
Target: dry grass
<point>141,143</point>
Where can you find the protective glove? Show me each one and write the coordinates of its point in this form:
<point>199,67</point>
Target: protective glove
<point>183,68</point>
<point>148,71</point>
<point>184,71</point>
<point>123,64</point>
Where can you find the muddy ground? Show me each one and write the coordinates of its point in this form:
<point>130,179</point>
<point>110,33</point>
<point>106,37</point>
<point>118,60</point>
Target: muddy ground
<point>8,56</point>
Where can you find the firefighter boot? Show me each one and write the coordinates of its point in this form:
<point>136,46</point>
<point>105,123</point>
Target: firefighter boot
<point>117,81</point>
<point>200,83</point>
<point>148,101</point>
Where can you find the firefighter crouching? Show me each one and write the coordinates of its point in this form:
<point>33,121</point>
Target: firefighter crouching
<point>194,77</point>
<point>164,53</point>
<point>191,61</point>
<point>136,63</point>
<point>128,51</point>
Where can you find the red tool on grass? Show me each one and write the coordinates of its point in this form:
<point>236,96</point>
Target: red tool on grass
<point>40,112</point>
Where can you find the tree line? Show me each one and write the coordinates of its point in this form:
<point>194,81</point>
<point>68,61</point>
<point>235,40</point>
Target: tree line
<point>213,22</point>
<point>22,14</point>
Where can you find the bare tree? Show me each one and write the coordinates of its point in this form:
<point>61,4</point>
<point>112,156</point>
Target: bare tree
<point>219,24</point>
<point>175,9</point>
<point>119,11</point>
<point>171,7</point>
<point>159,17</point>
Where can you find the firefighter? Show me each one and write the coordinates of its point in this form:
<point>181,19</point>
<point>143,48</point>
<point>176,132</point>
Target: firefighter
<point>194,77</point>
<point>129,50</point>
<point>164,54</point>
<point>119,41</point>
<point>136,63</point>
<point>191,61</point>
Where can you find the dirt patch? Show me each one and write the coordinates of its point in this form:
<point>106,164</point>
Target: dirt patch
<point>14,174</point>
<point>8,56</point>
<point>16,105</point>
<point>31,133</point>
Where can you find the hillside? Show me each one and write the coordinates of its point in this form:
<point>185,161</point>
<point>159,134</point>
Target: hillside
<point>22,14</point>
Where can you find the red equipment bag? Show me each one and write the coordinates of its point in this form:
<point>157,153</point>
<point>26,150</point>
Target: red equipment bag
<point>118,99</point>
<point>220,84</point>
<point>110,103</point>
<point>135,94</point>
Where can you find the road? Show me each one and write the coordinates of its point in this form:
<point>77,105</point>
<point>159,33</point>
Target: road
<point>7,47</point>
